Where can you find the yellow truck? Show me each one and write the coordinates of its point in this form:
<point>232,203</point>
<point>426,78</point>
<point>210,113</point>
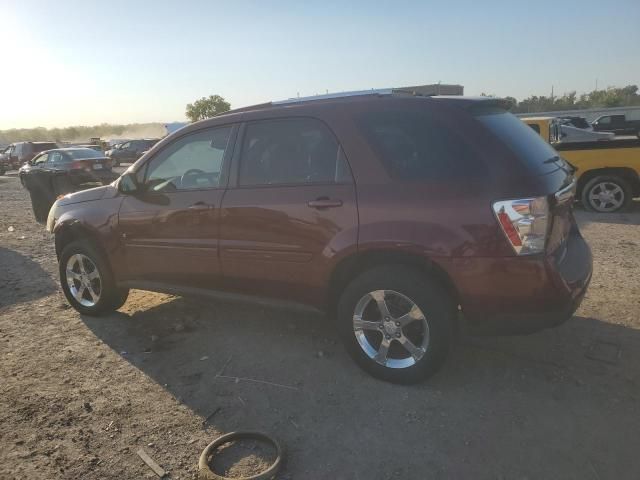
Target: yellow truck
<point>608,172</point>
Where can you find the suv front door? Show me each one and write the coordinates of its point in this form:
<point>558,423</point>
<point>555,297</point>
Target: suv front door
<point>170,227</point>
<point>293,209</point>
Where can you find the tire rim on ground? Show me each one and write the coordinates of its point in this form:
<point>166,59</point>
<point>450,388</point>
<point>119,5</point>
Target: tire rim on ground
<point>606,196</point>
<point>391,329</point>
<point>205,473</point>
<point>83,280</point>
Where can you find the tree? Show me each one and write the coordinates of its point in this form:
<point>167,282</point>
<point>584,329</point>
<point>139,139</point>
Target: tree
<point>207,108</point>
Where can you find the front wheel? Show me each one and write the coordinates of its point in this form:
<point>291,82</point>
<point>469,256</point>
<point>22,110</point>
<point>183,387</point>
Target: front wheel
<point>396,324</point>
<point>87,281</point>
<point>606,194</point>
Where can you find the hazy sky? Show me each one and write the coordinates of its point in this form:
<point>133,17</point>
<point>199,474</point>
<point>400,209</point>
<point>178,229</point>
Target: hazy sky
<point>68,62</point>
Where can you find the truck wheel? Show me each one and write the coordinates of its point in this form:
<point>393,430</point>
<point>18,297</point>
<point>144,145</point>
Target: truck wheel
<point>40,205</point>
<point>396,323</point>
<point>2,171</point>
<point>606,194</point>
<point>87,281</point>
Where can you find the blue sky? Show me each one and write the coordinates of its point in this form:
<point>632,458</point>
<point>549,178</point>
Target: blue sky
<point>88,62</point>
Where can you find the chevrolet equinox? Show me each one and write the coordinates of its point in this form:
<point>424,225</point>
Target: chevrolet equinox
<point>400,216</point>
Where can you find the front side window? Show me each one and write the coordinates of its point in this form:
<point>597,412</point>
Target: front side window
<point>291,152</point>
<point>192,162</point>
<point>415,146</point>
<point>604,121</point>
<point>40,159</point>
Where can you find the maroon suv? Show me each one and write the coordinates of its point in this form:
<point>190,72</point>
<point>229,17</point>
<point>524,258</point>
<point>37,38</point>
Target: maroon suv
<point>397,215</point>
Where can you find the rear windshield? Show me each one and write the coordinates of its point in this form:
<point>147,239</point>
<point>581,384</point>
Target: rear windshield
<point>521,139</point>
<point>81,153</point>
<point>415,146</point>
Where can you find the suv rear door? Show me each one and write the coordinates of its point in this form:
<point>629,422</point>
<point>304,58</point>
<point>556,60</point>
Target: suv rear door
<point>291,208</point>
<point>170,228</point>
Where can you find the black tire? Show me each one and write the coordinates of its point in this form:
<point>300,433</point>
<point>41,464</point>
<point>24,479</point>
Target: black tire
<point>623,198</point>
<point>110,296</point>
<point>41,204</point>
<point>435,303</point>
<point>2,171</point>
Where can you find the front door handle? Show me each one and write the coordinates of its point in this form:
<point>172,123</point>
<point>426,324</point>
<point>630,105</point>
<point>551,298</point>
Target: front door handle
<point>200,206</point>
<point>324,203</point>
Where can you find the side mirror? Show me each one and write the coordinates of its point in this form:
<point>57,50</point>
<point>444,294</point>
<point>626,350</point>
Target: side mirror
<point>128,183</point>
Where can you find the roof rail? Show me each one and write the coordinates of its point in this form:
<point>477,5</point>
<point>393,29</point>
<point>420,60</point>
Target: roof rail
<point>357,93</point>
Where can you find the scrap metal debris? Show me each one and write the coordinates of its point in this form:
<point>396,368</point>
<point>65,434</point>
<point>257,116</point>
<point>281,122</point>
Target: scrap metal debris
<point>157,469</point>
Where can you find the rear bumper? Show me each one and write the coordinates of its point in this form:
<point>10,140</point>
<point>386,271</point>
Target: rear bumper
<point>102,176</point>
<point>519,295</point>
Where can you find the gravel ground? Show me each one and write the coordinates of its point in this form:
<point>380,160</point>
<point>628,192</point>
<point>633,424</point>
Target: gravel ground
<point>81,395</point>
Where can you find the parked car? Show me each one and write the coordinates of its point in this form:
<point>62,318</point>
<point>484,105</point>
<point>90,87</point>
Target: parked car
<point>6,162</point>
<point>394,214</point>
<point>575,121</point>
<point>617,124</point>
<point>23,152</point>
<point>608,173</point>
<point>570,134</point>
<point>130,151</point>
<point>60,171</point>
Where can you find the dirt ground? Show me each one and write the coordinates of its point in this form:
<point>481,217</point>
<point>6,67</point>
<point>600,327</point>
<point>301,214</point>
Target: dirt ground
<point>81,395</point>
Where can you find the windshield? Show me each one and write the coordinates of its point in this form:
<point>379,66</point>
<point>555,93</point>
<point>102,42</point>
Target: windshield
<point>521,139</point>
<point>80,153</point>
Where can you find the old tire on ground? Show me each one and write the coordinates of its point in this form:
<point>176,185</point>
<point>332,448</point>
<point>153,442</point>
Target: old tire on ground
<point>205,472</point>
<point>87,281</point>
<point>396,323</point>
<point>607,194</point>
<point>40,204</point>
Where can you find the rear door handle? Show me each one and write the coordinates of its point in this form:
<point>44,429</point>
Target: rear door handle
<point>324,203</point>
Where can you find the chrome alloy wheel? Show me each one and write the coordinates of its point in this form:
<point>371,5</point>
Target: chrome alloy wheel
<point>606,197</point>
<point>391,329</point>
<point>83,279</point>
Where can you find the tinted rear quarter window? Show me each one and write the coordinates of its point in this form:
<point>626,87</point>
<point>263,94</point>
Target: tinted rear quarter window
<point>415,146</point>
<point>521,139</point>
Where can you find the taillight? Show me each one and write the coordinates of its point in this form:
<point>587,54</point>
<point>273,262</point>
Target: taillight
<point>525,222</point>
<point>81,165</point>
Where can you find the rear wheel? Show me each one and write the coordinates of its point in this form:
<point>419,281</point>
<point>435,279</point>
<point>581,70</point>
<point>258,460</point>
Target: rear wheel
<point>87,281</point>
<point>607,194</point>
<point>396,323</point>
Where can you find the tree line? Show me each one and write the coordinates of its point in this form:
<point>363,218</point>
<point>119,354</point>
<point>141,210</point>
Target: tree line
<point>77,133</point>
<point>607,98</point>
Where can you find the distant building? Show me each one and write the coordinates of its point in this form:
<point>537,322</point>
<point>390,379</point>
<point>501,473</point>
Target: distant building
<point>436,89</point>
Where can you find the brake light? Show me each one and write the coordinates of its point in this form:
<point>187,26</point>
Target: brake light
<point>525,222</point>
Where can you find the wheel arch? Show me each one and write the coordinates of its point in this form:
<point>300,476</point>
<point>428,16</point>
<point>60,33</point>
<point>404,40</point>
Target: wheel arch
<point>355,264</point>
<point>626,173</point>
<point>68,232</point>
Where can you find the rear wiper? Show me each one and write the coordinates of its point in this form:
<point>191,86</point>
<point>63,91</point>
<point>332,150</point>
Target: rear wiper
<point>563,165</point>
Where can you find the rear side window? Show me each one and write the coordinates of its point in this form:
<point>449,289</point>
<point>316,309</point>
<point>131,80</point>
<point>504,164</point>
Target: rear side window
<point>521,139</point>
<point>291,152</point>
<point>415,146</point>
<point>41,147</point>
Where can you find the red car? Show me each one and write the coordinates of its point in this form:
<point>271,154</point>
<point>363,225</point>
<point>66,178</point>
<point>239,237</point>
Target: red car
<point>397,215</point>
